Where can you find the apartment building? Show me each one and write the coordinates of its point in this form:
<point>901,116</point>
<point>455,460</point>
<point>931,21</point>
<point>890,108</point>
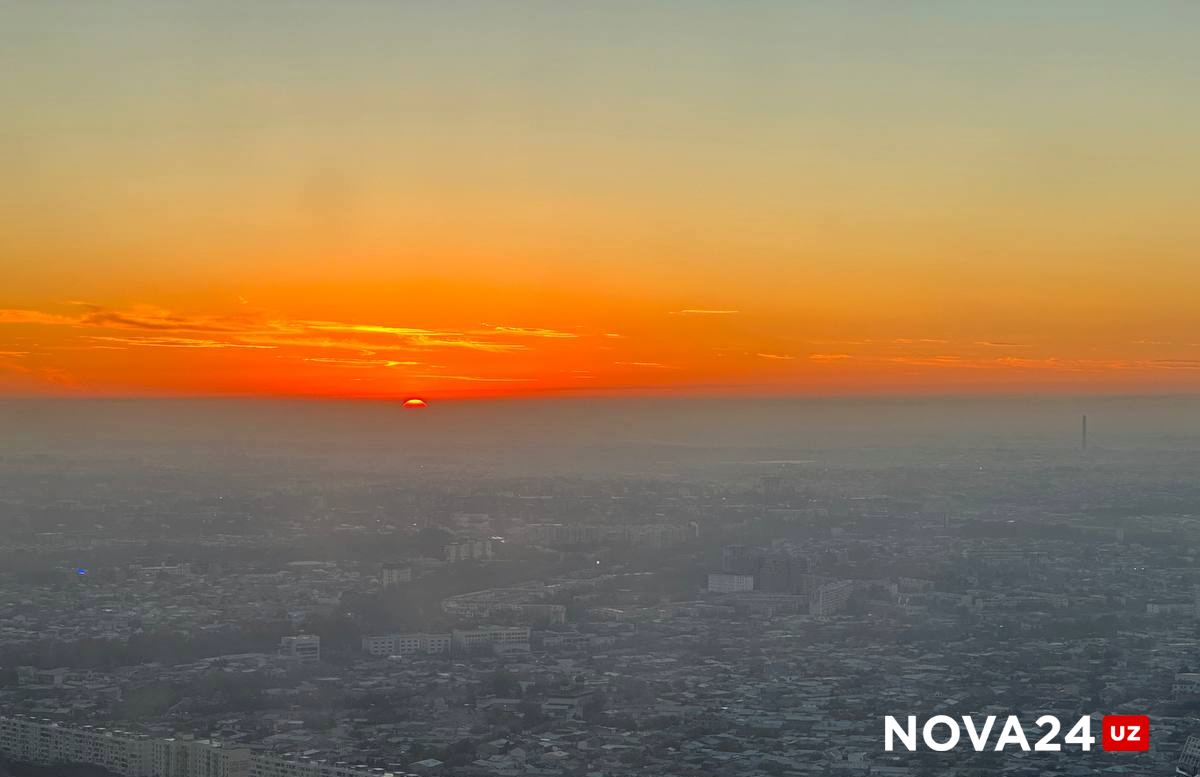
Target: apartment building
<point>130,755</point>
<point>498,639</point>
<point>407,644</point>
<point>47,743</point>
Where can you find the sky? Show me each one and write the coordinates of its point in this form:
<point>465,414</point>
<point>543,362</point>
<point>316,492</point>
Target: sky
<point>481,199</point>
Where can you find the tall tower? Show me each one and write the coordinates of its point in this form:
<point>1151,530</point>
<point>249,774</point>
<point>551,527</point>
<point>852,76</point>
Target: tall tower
<point>1083,437</point>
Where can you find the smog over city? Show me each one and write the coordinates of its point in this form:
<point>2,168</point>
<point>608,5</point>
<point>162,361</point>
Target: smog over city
<point>619,389</point>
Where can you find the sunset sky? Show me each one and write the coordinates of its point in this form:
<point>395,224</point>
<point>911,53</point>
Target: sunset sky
<point>456,199</point>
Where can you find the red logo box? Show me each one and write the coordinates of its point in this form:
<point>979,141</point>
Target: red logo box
<point>1128,733</point>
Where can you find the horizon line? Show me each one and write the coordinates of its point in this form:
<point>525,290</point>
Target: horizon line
<point>606,396</point>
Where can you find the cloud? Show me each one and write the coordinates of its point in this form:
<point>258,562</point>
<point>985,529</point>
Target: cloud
<point>476,378</point>
<point>643,364</point>
<point>415,336</point>
<point>155,320</point>
<point>470,344</point>
<point>379,329</point>
<point>931,361</point>
<point>361,362</point>
<point>248,331</point>
<point>780,356</point>
<point>994,344</point>
<point>1178,364</point>
<point>829,357</point>
<point>523,331</point>
<point>703,312</point>
<point>19,316</point>
<point>139,318</point>
<point>299,340</point>
<point>155,341</point>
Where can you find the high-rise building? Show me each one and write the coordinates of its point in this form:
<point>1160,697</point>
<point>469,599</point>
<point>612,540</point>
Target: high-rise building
<point>1189,758</point>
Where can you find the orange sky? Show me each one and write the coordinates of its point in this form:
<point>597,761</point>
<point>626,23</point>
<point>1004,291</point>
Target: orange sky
<point>384,200</point>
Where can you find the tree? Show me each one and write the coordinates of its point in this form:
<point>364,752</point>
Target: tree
<point>504,684</point>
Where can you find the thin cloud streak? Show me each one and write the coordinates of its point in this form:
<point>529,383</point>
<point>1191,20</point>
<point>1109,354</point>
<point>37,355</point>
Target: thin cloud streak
<point>176,342</point>
<point>361,362</point>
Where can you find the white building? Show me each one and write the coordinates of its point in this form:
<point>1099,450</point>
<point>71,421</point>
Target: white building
<point>1189,758</point>
<point>130,755</point>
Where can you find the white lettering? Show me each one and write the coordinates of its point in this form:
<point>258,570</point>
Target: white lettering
<point>1047,743</point>
<point>1012,734</point>
<point>908,737</point>
<point>931,741</point>
<point>979,738</point>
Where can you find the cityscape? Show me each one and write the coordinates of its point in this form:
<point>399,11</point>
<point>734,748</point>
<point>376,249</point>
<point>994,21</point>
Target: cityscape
<point>563,388</point>
<point>730,611</point>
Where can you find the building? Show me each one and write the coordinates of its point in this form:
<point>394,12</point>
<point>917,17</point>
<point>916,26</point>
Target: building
<point>209,759</point>
<point>48,743</point>
<point>395,575</point>
<point>306,648</point>
<point>572,640</point>
<point>521,605</point>
<point>472,522</point>
<point>741,559</point>
<point>725,583</point>
<point>1189,758</point>
<point>468,550</point>
<point>497,639</point>
<point>642,535</point>
<point>830,598</point>
<point>570,703</point>
<point>1185,609</point>
<point>407,644</point>
<point>1186,686</point>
